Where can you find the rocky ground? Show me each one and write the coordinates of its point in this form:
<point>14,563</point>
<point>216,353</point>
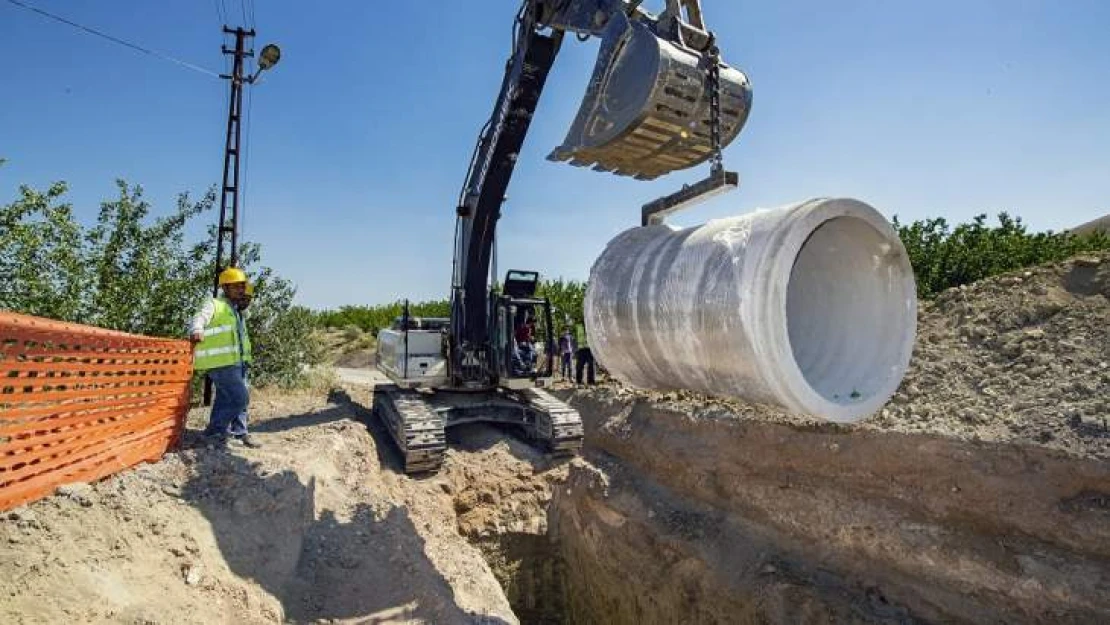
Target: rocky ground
<point>980,494</point>
<point>1023,358</point>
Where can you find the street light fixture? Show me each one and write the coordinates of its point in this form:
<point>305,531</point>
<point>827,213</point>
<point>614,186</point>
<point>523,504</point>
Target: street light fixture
<point>268,58</point>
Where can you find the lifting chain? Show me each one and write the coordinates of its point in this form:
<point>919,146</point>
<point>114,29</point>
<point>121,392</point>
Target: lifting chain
<point>716,160</point>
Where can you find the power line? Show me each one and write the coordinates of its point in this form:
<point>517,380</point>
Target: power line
<point>221,15</point>
<point>246,160</point>
<point>121,42</point>
<point>248,9</point>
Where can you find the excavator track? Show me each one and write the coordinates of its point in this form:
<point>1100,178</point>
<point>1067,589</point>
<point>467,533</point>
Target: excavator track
<point>417,429</point>
<point>557,425</point>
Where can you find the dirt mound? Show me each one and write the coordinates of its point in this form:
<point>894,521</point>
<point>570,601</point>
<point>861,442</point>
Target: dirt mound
<point>348,347</point>
<point>724,511</point>
<point>1022,357</point>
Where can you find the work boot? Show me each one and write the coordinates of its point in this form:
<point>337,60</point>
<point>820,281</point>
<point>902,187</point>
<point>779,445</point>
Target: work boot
<point>214,442</point>
<point>249,441</point>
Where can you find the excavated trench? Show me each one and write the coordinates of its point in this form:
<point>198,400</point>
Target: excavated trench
<point>533,572</point>
<point>693,513</point>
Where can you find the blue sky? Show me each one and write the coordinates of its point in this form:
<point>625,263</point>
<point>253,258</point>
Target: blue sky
<point>361,136</point>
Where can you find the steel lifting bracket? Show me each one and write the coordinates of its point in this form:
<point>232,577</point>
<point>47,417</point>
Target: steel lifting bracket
<point>654,212</point>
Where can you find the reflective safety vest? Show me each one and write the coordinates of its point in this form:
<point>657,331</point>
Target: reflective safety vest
<point>222,346</point>
<point>580,336</point>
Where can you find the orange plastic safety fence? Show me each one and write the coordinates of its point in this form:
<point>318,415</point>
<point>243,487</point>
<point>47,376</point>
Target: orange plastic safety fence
<point>78,403</point>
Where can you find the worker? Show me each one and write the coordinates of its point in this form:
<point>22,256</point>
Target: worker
<point>222,345</point>
<point>566,353</point>
<point>583,356</point>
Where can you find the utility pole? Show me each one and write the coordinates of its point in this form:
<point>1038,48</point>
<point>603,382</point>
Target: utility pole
<point>229,228</point>
<point>229,195</point>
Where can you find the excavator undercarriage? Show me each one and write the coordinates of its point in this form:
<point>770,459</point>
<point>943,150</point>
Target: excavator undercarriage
<point>417,420</point>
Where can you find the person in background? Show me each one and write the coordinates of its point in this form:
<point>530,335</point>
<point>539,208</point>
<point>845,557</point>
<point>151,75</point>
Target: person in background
<point>221,345</point>
<point>583,356</point>
<point>566,352</point>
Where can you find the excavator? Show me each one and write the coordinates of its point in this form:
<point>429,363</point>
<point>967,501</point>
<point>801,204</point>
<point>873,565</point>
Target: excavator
<point>660,100</point>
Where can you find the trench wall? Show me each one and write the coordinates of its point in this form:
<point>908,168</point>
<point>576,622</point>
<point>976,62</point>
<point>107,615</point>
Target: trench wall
<point>698,516</point>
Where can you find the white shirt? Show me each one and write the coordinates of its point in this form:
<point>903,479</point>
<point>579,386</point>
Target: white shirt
<point>202,318</point>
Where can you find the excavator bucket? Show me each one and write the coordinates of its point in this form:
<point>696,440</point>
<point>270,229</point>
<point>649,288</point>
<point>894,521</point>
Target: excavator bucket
<point>647,109</point>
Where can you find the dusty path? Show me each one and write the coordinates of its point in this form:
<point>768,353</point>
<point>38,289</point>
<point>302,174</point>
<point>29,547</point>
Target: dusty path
<point>360,377</point>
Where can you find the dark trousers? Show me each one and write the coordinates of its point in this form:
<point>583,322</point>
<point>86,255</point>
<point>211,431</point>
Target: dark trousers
<point>564,368</point>
<point>584,358</point>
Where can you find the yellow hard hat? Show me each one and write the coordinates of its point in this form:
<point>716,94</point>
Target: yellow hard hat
<point>232,275</point>
<point>250,289</point>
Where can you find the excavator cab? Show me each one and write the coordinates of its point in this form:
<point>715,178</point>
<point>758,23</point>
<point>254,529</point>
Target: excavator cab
<point>522,337</point>
<point>648,108</point>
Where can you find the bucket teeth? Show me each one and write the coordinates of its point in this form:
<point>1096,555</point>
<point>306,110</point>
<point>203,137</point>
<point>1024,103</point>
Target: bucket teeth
<point>646,109</point>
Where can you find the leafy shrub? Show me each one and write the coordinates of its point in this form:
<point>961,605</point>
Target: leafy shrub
<point>943,257</point>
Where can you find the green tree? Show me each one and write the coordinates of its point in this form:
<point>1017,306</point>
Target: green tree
<point>282,334</point>
<point>374,318</point>
<point>132,273</point>
<point>567,300</point>
<point>40,256</point>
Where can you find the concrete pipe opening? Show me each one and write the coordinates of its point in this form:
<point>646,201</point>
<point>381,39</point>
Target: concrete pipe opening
<point>811,307</point>
<point>845,322</point>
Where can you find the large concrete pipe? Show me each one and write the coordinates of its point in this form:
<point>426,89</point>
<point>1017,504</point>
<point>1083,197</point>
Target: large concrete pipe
<point>811,307</point>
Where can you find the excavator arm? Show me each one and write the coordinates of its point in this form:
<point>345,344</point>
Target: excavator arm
<point>649,110</point>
